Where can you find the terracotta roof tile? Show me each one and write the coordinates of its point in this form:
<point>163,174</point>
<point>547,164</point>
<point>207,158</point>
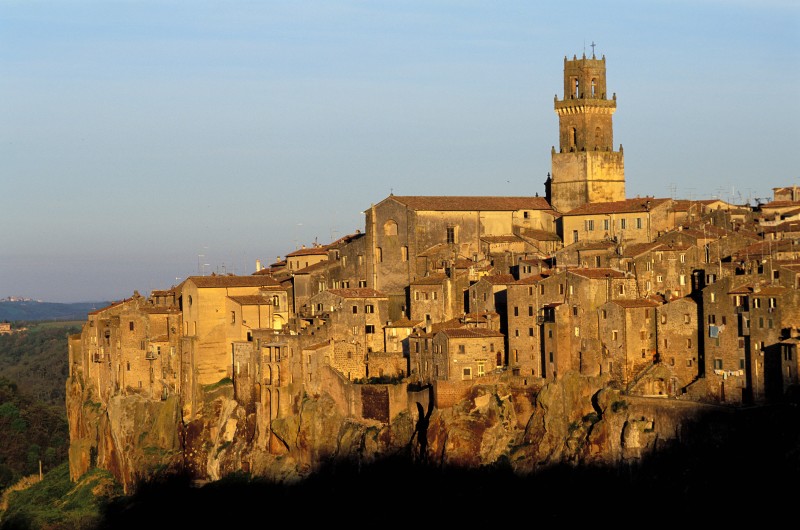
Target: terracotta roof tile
<point>232,281</point>
<point>499,279</point>
<point>460,203</point>
<point>471,333</point>
<point>314,251</point>
<point>251,299</point>
<point>539,235</point>
<point>624,206</point>
<point>431,279</point>
<point>314,267</point>
<point>531,280</point>
<point>404,323</point>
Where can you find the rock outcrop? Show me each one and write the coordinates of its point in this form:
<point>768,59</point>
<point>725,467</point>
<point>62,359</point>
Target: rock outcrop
<point>574,420</point>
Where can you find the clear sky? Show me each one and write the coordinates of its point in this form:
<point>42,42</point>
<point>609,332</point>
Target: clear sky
<point>142,142</point>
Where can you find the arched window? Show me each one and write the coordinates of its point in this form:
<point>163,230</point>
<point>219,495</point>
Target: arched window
<point>594,87</point>
<point>573,137</point>
<point>390,228</point>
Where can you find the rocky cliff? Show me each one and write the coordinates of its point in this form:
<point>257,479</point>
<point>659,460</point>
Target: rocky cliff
<point>575,420</point>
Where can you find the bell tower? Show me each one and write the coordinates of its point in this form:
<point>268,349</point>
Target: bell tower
<point>585,169</point>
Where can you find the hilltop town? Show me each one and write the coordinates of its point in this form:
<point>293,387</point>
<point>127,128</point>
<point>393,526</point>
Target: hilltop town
<point>664,302</point>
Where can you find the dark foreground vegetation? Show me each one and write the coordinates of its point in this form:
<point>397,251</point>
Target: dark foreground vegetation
<point>743,467</point>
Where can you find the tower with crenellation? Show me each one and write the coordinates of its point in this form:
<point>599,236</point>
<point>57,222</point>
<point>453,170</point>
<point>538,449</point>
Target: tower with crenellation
<point>585,168</point>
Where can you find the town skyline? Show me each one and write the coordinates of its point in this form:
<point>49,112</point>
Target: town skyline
<point>197,140</point>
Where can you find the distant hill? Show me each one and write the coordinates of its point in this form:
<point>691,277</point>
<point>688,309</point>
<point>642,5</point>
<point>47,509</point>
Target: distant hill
<point>32,310</point>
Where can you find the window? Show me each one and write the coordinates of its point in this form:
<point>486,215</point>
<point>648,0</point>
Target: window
<point>461,348</point>
<point>516,333</point>
<point>525,215</point>
<point>683,258</point>
<point>516,311</point>
<point>605,224</point>
<point>369,308</point>
<point>622,289</point>
<point>688,343</point>
<point>614,334</point>
<point>682,279</point>
<point>481,371</point>
<point>560,288</point>
<point>379,254</point>
<point>603,313</point>
<point>362,283</point>
<point>404,253</point>
<point>574,236</point>
<point>355,330</point>
<point>355,309</point>
<point>530,332</point>
<point>130,325</point>
<point>233,317</point>
<point>659,279</point>
<point>623,223</point>
<point>574,310</point>
<point>639,223</point>
<point>390,228</point>
<point>530,289</point>
<point>757,302</point>
<point>589,225</point>
<point>773,303</point>
<point>467,373</point>
<point>530,310</point>
<point>577,331</point>
<point>451,234</point>
<point>717,364</point>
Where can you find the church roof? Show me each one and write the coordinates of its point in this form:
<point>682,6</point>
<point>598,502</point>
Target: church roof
<point>463,203</point>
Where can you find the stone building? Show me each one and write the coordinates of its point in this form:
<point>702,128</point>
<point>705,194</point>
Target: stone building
<point>523,333</point>
<point>627,328</point>
<point>400,228</point>
<point>438,297</point>
<point>639,220</point>
<point>678,342</point>
<point>212,321</point>
<point>467,353</point>
<point>354,319</point>
<point>130,346</point>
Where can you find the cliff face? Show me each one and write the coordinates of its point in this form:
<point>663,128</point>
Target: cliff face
<point>576,420</point>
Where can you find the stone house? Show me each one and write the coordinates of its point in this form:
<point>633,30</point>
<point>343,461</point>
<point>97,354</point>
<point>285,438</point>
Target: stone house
<point>354,318</point>
<point>523,333</point>
<point>303,257</point>
<point>131,346</point>
<point>466,353</point>
<point>659,268</point>
<point>678,342</point>
<point>489,294</point>
<point>438,297</point>
<point>627,330</point>
<point>638,220</point>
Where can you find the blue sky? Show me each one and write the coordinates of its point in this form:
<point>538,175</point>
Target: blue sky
<point>143,142</point>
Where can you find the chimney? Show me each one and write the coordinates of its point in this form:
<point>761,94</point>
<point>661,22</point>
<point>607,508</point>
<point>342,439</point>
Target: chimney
<point>258,265</point>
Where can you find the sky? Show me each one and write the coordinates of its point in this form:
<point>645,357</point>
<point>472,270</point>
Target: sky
<point>142,142</point>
